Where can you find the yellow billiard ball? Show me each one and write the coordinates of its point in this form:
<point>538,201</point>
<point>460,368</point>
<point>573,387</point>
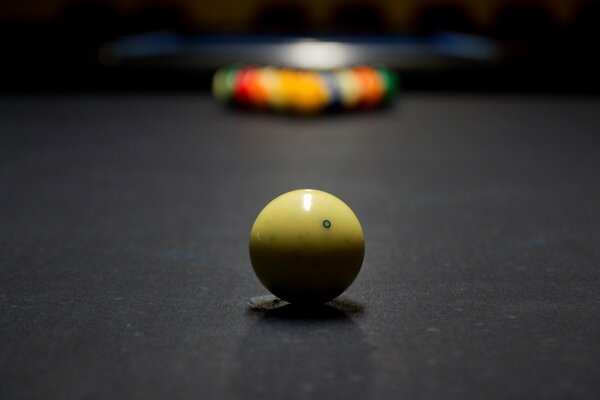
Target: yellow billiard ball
<point>306,246</point>
<point>351,89</point>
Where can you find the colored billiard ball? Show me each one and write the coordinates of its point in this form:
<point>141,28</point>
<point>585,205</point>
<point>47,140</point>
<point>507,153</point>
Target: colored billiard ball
<point>223,84</point>
<point>350,88</point>
<point>306,246</point>
<point>372,84</point>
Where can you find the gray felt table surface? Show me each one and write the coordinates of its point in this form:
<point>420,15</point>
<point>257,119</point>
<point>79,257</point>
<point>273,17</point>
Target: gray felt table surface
<point>124,269</point>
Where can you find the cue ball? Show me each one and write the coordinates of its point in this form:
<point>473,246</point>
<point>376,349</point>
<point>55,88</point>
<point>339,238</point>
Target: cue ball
<point>306,246</point>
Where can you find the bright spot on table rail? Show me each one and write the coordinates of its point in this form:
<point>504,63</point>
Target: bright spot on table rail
<point>314,54</point>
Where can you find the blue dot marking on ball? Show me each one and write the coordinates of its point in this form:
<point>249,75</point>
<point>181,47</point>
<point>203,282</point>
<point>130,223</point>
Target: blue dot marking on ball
<point>327,224</point>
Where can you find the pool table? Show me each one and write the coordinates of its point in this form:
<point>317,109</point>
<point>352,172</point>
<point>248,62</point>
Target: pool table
<point>124,267</point>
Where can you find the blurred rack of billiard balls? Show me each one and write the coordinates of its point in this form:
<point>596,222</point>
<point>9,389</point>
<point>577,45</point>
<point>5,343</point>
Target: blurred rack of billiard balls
<point>305,91</point>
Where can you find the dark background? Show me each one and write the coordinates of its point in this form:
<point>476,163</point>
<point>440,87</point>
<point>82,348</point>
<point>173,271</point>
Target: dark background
<point>545,45</point>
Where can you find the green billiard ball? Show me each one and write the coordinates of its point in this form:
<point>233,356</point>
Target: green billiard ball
<point>306,246</point>
<point>223,83</point>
